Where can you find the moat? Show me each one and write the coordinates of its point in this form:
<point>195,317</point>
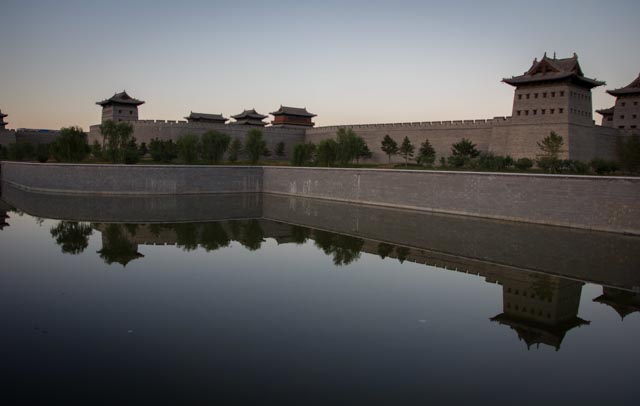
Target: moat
<point>257,297</point>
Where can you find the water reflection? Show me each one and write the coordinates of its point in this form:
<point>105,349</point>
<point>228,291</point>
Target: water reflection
<point>623,302</point>
<point>72,236</point>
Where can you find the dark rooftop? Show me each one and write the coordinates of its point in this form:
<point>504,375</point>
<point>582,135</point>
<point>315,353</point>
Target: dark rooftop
<point>292,111</point>
<point>205,116</point>
<point>535,333</point>
<point>605,112</point>
<point>120,98</point>
<point>631,88</point>
<point>2,114</point>
<point>553,69</point>
<point>249,114</point>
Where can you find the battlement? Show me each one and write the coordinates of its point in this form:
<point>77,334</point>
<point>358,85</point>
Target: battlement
<point>476,123</point>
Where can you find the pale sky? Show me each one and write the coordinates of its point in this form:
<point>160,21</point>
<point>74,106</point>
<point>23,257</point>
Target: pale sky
<point>349,62</point>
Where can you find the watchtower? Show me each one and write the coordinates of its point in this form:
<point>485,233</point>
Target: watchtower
<point>553,91</point>
<point>3,124</point>
<point>625,114</point>
<point>120,107</point>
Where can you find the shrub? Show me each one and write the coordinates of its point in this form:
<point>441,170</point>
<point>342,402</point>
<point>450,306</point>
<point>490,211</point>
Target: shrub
<point>214,144</point>
<point>143,149</point>
<point>188,146</point>
<point>574,167</point>
<point>389,146</point>
<point>524,164</point>
<point>462,153</point>
<point>3,152</point>
<point>327,152</point>
<point>426,154</point>
<point>96,150</point>
<point>163,151</point>
<point>508,161</point>
<point>42,152</point>
<point>490,162</point>
<point>603,166</point>
<point>280,149</point>
<point>70,145</point>
<point>235,149</point>
<point>255,146</point>
<point>628,151</point>
<point>406,150</point>
<point>21,151</point>
<point>549,164</point>
<point>303,154</point>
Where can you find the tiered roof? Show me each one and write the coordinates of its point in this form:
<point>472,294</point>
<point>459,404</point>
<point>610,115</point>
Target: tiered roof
<point>250,117</point>
<point>606,112</point>
<point>2,116</point>
<point>121,98</point>
<point>623,302</point>
<point>553,70</point>
<point>631,88</point>
<point>292,111</point>
<point>206,117</point>
<point>536,333</point>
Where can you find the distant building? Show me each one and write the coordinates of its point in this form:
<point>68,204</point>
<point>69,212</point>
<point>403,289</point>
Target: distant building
<point>120,107</point>
<point>206,118</point>
<point>292,116</point>
<point>3,124</point>
<point>250,117</point>
<point>625,114</point>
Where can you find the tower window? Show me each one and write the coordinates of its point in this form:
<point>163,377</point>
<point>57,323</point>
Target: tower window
<point>519,97</point>
<point>635,103</point>
<point>609,118</point>
<point>535,96</point>
<point>551,111</point>
<point>519,112</point>
<point>623,104</point>
<point>620,126</point>
<point>634,116</point>
<point>560,111</point>
<point>526,112</point>
<point>621,117</point>
<point>633,126</point>
<point>544,95</point>
<point>535,112</point>
<point>553,94</point>
<point>543,111</point>
<point>130,113</point>
<point>119,111</point>
<point>561,94</point>
<point>528,95</point>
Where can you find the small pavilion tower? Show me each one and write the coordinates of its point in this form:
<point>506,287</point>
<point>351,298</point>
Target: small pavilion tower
<point>3,124</point>
<point>626,112</point>
<point>553,91</point>
<point>120,107</point>
<point>206,118</point>
<point>292,117</point>
<point>250,117</point>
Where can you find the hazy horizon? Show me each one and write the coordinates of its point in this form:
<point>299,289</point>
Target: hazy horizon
<point>348,62</point>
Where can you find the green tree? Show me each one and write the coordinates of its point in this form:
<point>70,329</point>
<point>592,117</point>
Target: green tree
<point>385,249</point>
<point>71,236</point>
<point>131,154</point>
<point>214,145</point>
<point>96,149</point>
<point>21,151</point>
<point>303,154</point>
<point>42,152</point>
<point>327,152</point>
<point>280,149</point>
<point>188,147</point>
<point>406,150</point>
<point>235,149</point>
<point>348,145</point>
<point>363,150</point>
<point>70,145</point>
<point>118,138</point>
<point>214,236</point>
<point>462,153</point>
<point>389,146</point>
<point>628,151</point>
<point>255,146</point>
<point>523,164</point>
<point>551,146</point>
<point>426,154</point>
<point>163,151</point>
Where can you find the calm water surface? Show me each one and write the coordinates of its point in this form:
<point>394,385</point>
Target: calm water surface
<point>274,299</point>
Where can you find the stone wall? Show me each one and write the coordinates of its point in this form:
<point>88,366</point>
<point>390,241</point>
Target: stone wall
<point>32,136</point>
<point>128,179</point>
<point>599,203</point>
<point>146,130</point>
<point>7,137</point>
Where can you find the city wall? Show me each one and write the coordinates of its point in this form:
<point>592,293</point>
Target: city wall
<point>146,130</point>
<point>598,203</point>
<point>32,136</point>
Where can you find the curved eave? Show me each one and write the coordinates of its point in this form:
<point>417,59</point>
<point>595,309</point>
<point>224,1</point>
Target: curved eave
<point>276,113</point>
<point>128,103</point>
<point>518,81</point>
<point>624,92</point>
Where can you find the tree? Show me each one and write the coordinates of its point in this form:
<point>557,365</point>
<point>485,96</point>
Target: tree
<point>303,154</point>
<point>255,146</point>
<point>426,154</point>
<point>327,152</point>
<point>70,145</point>
<point>628,152</point>
<point>96,150</point>
<point>214,144</point>
<point>280,149</point>
<point>551,147</point>
<point>42,152</point>
<point>462,153</point>
<point>389,146</point>
<point>235,149</point>
<point>71,236</point>
<point>348,145</point>
<point>406,150</point>
<point>163,151</point>
<point>188,146</point>
<point>363,150</point>
<point>116,139</point>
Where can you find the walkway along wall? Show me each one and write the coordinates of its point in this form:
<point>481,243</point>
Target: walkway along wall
<point>598,203</point>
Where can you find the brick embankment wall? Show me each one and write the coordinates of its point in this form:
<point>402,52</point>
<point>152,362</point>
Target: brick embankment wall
<point>599,203</point>
<point>131,180</point>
